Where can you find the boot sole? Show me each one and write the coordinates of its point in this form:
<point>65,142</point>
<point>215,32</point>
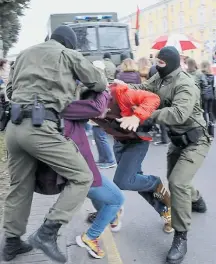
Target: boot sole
<point>39,245</point>
<point>16,254</point>
<point>199,211</point>
<point>179,261</point>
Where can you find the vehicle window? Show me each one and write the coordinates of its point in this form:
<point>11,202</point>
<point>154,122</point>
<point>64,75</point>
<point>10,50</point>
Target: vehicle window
<point>86,38</point>
<point>113,37</point>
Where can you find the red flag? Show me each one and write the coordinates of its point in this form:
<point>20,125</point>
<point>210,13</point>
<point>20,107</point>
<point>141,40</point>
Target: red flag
<point>137,19</point>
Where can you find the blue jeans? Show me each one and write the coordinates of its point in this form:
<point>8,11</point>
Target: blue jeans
<point>129,158</point>
<point>104,151</point>
<point>88,127</point>
<point>107,200</point>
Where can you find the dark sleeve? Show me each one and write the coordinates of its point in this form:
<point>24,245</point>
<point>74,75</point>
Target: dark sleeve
<point>87,109</point>
<point>86,72</point>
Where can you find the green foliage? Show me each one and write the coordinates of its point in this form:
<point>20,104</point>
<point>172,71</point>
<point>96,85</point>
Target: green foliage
<point>10,11</point>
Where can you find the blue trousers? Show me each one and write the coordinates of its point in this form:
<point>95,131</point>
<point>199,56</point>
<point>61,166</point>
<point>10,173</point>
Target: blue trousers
<point>128,175</point>
<point>104,150</point>
<point>107,200</point>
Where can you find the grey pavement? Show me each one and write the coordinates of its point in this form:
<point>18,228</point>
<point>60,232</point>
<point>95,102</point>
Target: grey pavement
<point>141,240</point>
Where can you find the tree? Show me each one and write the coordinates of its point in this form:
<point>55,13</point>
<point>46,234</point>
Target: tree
<point>10,11</point>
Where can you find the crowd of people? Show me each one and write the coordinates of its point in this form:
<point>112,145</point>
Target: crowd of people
<point>52,81</point>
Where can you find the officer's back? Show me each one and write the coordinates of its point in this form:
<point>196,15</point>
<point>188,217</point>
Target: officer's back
<point>50,70</point>
<point>41,85</point>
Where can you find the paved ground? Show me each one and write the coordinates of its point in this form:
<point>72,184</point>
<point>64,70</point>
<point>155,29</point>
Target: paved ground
<point>141,240</point>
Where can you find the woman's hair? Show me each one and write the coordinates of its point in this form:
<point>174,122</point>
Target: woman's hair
<point>192,65</point>
<point>2,63</point>
<point>143,63</point>
<point>144,66</point>
<point>129,65</point>
<point>206,67</point>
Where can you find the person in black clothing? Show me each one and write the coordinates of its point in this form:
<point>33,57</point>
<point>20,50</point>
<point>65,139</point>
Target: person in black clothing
<point>208,95</point>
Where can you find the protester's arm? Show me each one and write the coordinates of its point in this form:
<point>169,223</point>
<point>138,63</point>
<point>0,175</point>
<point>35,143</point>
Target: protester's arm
<point>87,109</point>
<point>144,103</point>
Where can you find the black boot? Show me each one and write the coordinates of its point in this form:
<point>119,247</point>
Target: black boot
<point>46,239</point>
<point>199,206</point>
<point>13,247</point>
<point>179,248</point>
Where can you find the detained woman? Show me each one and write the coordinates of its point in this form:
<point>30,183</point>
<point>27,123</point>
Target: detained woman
<point>133,108</point>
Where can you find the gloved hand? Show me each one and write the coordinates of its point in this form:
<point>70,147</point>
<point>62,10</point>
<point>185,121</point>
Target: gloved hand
<point>146,126</point>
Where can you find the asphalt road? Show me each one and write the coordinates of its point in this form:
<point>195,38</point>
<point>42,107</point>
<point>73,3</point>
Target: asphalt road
<point>142,240</point>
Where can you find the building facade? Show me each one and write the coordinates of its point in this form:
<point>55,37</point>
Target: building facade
<point>196,18</point>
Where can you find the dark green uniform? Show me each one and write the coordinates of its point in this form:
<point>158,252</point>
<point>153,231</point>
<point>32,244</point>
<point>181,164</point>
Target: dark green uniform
<point>49,70</point>
<point>180,111</point>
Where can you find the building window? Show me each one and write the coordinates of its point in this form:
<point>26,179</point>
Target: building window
<point>173,25</point>
<point>191,3</point>
<point>214,33</point>
<point>181,20</point>
<point>202,2</point>
<point>172,9</point>
<point>181,5</point>
<point>191,20</point>
<point>165,24</point>
<point>151,28</point>
<point>202,15</point>
<point>214,13</point>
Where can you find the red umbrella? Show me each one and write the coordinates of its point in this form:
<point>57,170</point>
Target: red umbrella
<point>180,41</point>
<point>214,69</point>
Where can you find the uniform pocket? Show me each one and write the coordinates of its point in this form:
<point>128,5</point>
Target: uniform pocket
<point>196,152</point>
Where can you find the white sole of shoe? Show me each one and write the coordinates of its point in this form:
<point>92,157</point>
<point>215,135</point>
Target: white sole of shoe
<point>108,166</point>
<point>81,244</point>
<point>168,232</point>
<point>118,228</point>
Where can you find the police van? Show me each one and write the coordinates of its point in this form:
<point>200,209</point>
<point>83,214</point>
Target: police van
<point>96,34</point>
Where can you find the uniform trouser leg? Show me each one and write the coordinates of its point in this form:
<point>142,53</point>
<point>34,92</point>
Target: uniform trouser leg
<point>63,156</point>
<point>22,169</point>
<point>182,167</point>
<point>172,157</point>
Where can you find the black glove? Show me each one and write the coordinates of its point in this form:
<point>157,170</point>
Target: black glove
<point>146,126</point>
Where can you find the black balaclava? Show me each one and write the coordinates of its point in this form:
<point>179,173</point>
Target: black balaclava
<point>66,36</point>
<point>107,55</point>
<point>171,56</point>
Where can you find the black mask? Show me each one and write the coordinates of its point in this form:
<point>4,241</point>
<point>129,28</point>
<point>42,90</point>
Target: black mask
<point>171,56</point>
<point>66,36</point>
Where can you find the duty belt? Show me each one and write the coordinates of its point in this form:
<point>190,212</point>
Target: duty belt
<point>183,140</point>
<point>49,115</point>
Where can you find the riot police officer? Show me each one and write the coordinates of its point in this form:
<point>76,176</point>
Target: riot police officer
<point>180,111</point>
<point>42,83</point>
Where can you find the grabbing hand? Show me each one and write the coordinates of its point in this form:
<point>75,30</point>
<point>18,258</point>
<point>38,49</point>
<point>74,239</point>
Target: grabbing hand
<point>129,122</point>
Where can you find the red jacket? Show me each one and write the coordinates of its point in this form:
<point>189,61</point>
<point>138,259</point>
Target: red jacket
<point>128,102</point>
<point>135,102</point>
